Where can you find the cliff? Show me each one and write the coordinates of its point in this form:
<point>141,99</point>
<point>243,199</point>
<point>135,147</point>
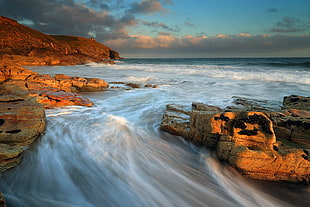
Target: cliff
<point>25,46</point>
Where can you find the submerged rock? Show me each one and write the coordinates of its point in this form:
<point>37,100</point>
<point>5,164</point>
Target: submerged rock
<point>253,142</point>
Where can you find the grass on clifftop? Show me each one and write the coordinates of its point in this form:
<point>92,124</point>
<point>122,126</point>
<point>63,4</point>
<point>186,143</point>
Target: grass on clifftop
<point>65,38</point>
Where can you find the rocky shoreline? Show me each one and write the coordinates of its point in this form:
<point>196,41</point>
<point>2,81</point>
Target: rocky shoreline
<point>24,96</point>
<point>261,144</point>
<point>259,141</point>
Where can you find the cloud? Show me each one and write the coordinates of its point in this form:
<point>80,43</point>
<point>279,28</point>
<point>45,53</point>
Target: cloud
<point>288,25</point>
<point>161,25</point>
<point>272,10</point>
<point>242,44</point>
<point>146,7</point>
<point>189,24</point>
<point>104,19</point>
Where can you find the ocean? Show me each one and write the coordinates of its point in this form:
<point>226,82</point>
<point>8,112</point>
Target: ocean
<point>114,153</point>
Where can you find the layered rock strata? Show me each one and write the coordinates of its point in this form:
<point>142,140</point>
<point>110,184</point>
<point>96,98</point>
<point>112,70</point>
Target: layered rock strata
<point>22,121</point>
<point>49,91</point>
<point>260,145</point>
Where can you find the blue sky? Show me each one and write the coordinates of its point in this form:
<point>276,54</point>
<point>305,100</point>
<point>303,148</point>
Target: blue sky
<point>175,28</point>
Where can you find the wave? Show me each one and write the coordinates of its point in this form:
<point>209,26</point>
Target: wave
<point>285,64</point>
<point>141,79</point>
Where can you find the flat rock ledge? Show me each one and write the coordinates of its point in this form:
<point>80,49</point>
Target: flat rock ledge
<point>60,90</point>
<point>264,145</point>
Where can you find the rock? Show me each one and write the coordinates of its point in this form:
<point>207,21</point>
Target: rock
<point>50,99</point>
<point>2,201</point>
<point>49,91</point>
<point>176,120</point>
<point>25,46</point>
<point>22,121</point>
<point>299,113</point>
<point>73,84</point>
<point>150,86</point>
<point>247,140</point>
<point>296,102</point>
<point>10,156</point>
<point>133,85</point>
<point>250,104</point>
<point>14,72</point>
<point>204,107</point>
<point>293,129</point>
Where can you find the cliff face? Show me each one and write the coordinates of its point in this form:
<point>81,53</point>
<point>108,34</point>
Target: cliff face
<point>27,45</point>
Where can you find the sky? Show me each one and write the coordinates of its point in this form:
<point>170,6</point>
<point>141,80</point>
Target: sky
<point>175,28</point>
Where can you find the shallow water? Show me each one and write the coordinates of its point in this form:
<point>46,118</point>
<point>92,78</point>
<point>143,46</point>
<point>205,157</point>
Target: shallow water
<point>113,154</point>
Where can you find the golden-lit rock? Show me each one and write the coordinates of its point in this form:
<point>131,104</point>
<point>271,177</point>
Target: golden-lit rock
<point>22,121</point>
<point>47,90</point>
<point>247,140</point>
<point>24,46</point>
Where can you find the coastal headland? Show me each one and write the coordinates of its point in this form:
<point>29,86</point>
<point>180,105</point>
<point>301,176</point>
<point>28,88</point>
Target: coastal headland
<point>260,143</point>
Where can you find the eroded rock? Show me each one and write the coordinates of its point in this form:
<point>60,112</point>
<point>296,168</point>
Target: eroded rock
<point>247,140</point>
<point>22,121</point>
<point>296,102</point>
<point>49,91</point>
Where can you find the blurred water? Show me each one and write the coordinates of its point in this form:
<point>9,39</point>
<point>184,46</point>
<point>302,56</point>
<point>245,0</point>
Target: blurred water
<point>113,154</point>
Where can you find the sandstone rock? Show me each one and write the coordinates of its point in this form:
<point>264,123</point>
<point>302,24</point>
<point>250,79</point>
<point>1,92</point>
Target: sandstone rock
<point>2,201</point>
<point>80,84</point>
<point>299,113</point>
<point>296,102</point>
<point>247,140</point>
<point>133,85</point>
<point>22,121</point>
<point>10,156</point>
<point>14,72</point>
<point>49,91</point>
<point>50,99</point>
<point>293,129</point>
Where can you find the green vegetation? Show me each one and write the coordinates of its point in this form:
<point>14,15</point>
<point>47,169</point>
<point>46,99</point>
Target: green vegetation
<point>65,38</point>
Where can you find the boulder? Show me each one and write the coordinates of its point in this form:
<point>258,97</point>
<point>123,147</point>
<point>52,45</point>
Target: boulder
<point>296,102</point>
<point>22,121</point>
<point>2,201</point>
<point>247,140</point>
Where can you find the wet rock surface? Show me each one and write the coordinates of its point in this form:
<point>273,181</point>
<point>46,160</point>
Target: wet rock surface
<point>2,201</point>
<point>264,145</point>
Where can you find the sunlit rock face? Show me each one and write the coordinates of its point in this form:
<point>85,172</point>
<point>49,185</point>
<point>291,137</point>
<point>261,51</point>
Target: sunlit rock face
<point>25,46</point>
<point>49,91</point>
<point>247,140</point>
<point>22,121</point>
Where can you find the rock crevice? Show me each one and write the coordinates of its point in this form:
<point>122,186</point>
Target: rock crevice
<point>259,144</point>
